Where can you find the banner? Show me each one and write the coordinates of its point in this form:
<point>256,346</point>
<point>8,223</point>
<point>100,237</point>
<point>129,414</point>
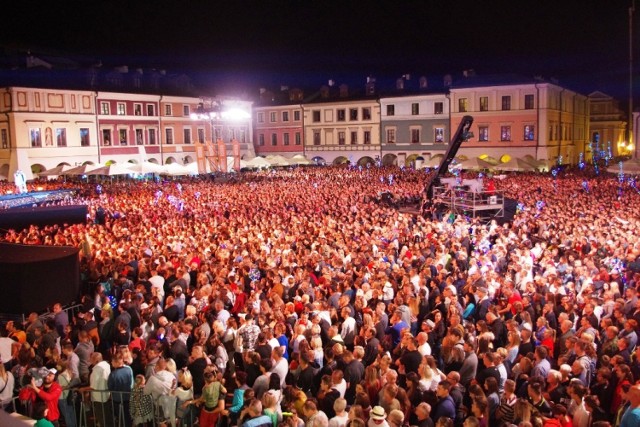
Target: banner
<point>212,155</point>
<point>235,145</point>
<point>222,153</point>
<point>200,158</point>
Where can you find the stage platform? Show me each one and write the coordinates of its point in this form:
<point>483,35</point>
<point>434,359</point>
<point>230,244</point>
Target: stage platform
<point>8,201</point>
<point>483,204</point>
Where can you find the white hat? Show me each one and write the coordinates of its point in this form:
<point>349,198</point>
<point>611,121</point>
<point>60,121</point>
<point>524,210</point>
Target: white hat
<point>378,413</point>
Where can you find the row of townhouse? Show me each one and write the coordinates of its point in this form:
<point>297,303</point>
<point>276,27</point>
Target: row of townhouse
<point>44,128</point>
<point>513,117</point>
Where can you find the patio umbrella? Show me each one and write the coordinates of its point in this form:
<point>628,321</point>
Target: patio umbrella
<point>144,167</point>
<point>79,170</point>
<point>110,170</point>
<point>517,165</point>
<point>58,170</point>
<point>474,164</point>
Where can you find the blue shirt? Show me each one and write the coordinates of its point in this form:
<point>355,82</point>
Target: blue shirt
<point>631,418</point>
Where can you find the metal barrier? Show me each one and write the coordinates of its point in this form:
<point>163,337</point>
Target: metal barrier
<point>85,408</point>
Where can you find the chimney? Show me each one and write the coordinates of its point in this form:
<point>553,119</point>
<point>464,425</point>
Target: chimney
<point>284,88</point>
<point>448,80</point>
<point>331,83</point>
<point>262,90</point>
<point>324,92</point>
<point>423,82</point>
<point>400,84</point>
<point>406,77</point>
<point>370,86</point>
<point>469,73</point>
<point>344,90</point>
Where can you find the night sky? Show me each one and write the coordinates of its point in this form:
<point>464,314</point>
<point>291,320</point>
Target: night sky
<point>242,45</point>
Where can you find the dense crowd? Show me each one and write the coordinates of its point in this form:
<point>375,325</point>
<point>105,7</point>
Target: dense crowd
<point>296,298</point>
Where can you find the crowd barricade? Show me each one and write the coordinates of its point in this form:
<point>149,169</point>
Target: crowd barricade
<point>94,408</point>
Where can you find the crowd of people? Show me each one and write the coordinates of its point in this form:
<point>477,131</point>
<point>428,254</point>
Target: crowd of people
<point>294,298</point>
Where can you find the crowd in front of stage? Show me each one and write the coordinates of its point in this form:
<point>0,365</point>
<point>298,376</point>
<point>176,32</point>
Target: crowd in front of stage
<point>294,298</point>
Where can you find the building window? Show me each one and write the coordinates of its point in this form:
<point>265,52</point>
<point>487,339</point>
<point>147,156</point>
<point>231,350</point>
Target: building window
<point>151,110</point>
<point>298,138</point>
<point>106,137</point>
<point>505,133</point>
<point>484,103</point>
<point>273,117</point>
<point>104,108</point>
<point>463,105</point>
<point>61,137</point>
<point>5,138</point>
<point>285,139</point>
<point>316,137</point>
<point>415,109</point>
<point>342,115</point>
<point>506,103</point>
<point>261,140</point>
<point>139,137</point>
<point>274,139</point>
<point>187,136</point>
<point>366,113</point>
<point>122,134</point>
<point>217,133</point>
<point>529,132</point>
<point>152,137</point>
<point>201,135</point>
<point>186,111</point>
<point>168,136</point>
<point>438,135</point>
<point>391,135</point>
<point>438,108</point>
<point>528,102</point>
<point>137,109</point>
<point>84,137</point>
<point>122,109</point>
<point>243,136</point>
<point>285,116</point>
<point>296,116</point>
<point>391,110</point>
<point>367,137</point>
<point>354,137</point>
<point>260,117</point>
<point>315,116</point>
<point>342,138</point>
<point>168,110</point>
<point>353,114</point>
<point>36,137</point>
<point>415,135</point>
<point>483,133</point>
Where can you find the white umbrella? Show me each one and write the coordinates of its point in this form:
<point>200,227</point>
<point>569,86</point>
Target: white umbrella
<point>258,162</point>
<point>474,164</point>
<point>80,170</point>
<point>110,170</point>
<point>433,162</point>
<point>299,159</point>
<point>515,164</point>
<point>58,170</point>
<point>174,169</point>
<point>144,167</point>
<point>278,160</point>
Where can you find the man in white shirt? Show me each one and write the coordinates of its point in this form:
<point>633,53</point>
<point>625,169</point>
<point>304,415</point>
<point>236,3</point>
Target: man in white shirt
<point>423,346</point>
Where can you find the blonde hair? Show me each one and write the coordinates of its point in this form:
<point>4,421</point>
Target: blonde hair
<point>185,378</point>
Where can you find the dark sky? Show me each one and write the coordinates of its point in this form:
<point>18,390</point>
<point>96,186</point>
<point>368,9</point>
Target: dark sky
<point>247,44</point>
